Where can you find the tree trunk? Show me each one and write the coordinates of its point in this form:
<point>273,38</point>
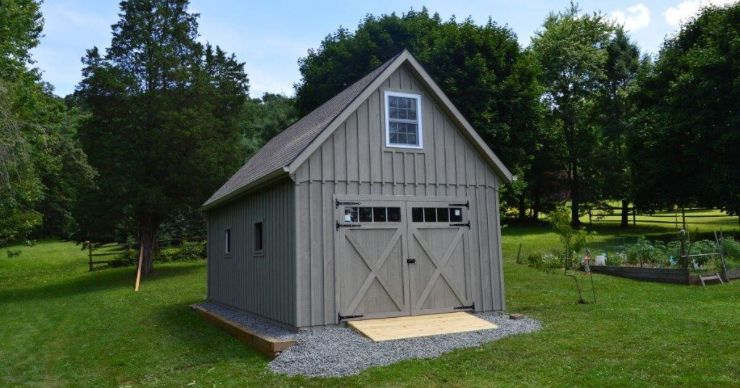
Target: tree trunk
<point>522,207</point>
<point>574,197</point>
<point>625,214</point>
<point>148,230</point>
<point>535,206</point>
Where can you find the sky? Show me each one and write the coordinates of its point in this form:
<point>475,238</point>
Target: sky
<point>270,36</point>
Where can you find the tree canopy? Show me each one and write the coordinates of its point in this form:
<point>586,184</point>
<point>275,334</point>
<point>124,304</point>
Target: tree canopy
<point>684,149</point>
<point>162,129</point>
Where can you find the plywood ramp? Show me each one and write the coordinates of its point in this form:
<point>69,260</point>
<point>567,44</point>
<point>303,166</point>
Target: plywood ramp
<point>387,329</point>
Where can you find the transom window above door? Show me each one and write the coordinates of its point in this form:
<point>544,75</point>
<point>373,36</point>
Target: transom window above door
<point>403,120</point>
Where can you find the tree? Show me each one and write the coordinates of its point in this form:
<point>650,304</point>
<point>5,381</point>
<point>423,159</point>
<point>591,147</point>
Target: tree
<point>685,143</point>
<point>266,117</point>
<point>571,50</point>
<point>163,126</point>
<point>613,112</point>
<point>481,68</point>
<point>41,164</point>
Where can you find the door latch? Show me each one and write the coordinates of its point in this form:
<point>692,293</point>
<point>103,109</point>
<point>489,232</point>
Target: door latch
<point>411,260</point>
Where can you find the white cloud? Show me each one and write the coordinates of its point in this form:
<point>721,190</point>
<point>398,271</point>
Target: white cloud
<point>633,18</point>
<point>685,10</point>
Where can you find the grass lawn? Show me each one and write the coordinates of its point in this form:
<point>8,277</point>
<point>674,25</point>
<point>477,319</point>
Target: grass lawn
<point>63,326</point>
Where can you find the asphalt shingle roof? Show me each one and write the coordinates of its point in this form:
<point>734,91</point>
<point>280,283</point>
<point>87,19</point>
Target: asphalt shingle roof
<point>282,149</point>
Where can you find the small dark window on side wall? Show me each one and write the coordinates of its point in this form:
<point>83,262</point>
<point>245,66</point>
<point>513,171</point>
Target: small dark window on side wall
<point>258,237</point>
<point>227,241</point>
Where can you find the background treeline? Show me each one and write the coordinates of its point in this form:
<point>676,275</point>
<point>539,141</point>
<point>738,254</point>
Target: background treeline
<point>159,120</point>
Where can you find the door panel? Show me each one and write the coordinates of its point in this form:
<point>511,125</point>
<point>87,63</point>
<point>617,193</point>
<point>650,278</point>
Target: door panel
<point>439,276</point>
<point>372,274</point>
<point>398,262</point>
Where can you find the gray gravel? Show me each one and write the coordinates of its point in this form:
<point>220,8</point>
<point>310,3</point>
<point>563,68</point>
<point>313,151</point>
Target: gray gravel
<point>259,325</point>
<point>340,351</point>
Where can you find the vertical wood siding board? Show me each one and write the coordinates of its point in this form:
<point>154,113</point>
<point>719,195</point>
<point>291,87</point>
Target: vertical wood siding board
<point>476,245</point>
<point>297,279</point>
<point>428,129</point>
<point>351,150</point>
<point>327,161</point>
<point>491,213</point>
<point>408,173</point>
<point>363,128</point>
<point>440,172</point>
<point>374,126</point>
<point>317,261</point>
<point>499,253</point>
<point>328,251</point>
<point>304,271</point>
<point>340,153</point>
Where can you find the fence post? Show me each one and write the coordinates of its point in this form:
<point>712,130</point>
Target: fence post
<point>89,254</point>
<point>634,217</point>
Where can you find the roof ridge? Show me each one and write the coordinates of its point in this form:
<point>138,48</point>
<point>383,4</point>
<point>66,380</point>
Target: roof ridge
<point>286,146</point>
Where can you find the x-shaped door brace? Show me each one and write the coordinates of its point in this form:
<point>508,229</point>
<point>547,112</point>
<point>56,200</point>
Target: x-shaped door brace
<point>439,270</point>
<point>373,270</point>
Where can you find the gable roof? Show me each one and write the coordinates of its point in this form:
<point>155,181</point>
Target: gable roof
<point>285,152</point>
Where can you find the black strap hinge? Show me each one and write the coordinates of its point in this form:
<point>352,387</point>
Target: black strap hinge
<point>466,204</point>
<point>462,224</point>
<point>471,307</point>
<point>339,203</point>
<point>345,317</point>
<point>347,225</point>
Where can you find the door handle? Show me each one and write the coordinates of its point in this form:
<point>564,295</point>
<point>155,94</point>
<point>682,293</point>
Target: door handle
<point>411,260</point>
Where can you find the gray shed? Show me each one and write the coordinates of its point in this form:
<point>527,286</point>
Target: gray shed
<point>381,202</point>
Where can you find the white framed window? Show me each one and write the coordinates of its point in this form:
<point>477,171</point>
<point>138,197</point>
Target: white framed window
<point>403,120</point>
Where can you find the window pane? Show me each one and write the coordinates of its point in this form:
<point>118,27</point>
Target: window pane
<point>350,214</point>
<point>379,214</point>
<point>456,214</point>
<point>227,238</point>
<point>258,236</point>
<point>366,214</point>
<point>417,214</point>
<point>394,214</point>
<point>430,214</point>
<point>443,214</point>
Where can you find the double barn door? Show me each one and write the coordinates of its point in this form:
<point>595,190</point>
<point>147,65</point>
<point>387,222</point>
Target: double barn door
<point>401,257</point>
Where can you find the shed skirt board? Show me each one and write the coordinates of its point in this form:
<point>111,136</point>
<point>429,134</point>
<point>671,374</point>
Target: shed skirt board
<point>393,269</point>
<point>386,329</point>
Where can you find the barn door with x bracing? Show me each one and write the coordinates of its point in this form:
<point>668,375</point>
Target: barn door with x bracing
<point>371,246</point>
<point>438,245</point>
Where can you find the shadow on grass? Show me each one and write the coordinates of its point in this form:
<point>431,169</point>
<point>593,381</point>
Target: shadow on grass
<point>92,282</point>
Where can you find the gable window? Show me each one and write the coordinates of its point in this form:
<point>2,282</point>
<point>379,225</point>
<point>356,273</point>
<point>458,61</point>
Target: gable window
<point>227,241</point>
<point>258,237</point>
<point>403,120</point>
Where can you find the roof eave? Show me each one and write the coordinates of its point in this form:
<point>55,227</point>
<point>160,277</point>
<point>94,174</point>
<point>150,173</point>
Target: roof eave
<point>265,180</point>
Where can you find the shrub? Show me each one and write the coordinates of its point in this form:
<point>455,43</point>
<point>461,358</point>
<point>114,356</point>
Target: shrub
<point>731,248</point>
<point>545,261</point>
<point>188,250</point>
<point>616,259</point>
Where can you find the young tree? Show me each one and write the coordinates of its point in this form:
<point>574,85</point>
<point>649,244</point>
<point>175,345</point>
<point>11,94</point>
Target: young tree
<point>164,109</point>
<point>571,50</point>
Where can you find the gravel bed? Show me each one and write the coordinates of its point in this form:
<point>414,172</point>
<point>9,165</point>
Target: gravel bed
<point>340,351</point>
<point>260,326</point>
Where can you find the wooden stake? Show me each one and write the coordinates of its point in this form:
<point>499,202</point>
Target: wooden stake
<point>138,269</point>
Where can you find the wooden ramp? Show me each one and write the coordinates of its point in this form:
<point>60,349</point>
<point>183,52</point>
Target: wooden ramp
<point>387,329</point>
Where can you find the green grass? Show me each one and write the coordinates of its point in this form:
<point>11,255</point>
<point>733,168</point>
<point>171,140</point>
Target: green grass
<point>63,326</point>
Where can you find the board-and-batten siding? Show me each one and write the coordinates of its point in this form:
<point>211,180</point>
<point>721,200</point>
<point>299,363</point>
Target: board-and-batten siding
<point>260,284</point>
<point>354,160</point>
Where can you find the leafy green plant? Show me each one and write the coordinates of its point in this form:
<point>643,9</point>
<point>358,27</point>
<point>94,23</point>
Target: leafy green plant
<point>545,261</point>
<point>573,240</point>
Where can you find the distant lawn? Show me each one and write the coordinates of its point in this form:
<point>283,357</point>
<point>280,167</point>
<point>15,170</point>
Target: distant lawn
<point>702,220</point>
<point>63,326</point>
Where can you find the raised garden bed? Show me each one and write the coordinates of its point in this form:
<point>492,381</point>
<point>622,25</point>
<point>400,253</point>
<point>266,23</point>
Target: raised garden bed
<point>660,275</point>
